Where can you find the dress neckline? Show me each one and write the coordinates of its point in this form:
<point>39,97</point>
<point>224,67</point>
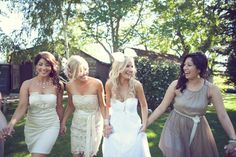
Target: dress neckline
<point>125,99</point>
<point>84,95</point>
<point>33,93</point>
<point>195,91</point>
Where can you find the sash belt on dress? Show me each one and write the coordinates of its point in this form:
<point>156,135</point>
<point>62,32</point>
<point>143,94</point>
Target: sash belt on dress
<point>196,120</point>
<point>91,137</point>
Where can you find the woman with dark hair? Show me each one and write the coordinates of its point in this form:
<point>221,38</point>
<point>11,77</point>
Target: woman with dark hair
<point>42,97</point>
<point>186,132</point>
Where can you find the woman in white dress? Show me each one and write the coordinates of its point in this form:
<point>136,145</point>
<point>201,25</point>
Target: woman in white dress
<point>42,97</point>
<point>86,102</point>
<point>123,93</point>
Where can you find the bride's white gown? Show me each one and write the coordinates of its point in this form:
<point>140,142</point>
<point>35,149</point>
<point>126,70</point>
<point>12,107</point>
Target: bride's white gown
<point>126,139</point>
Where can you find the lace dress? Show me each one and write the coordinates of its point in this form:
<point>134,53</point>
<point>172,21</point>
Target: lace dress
<point>87,125</point>
<point>126,140</point>
<point>186,132</point>
<point>42,123</point>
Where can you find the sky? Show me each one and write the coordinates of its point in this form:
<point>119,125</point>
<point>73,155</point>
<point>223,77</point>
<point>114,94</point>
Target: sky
<point>10,22</point>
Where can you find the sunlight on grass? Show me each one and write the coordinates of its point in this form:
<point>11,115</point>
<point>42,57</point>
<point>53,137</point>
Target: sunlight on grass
<point>151,134</point>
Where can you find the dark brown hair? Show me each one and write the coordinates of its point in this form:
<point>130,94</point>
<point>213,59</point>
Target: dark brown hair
<point>54,66</point>
<point>199,59</point>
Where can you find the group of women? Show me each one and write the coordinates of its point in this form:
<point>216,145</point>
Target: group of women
<point>186,132</point>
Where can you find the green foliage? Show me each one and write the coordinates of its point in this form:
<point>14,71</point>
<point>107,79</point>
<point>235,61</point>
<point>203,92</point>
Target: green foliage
<point>111,22</point>
<point>231,68</point>
<point>228,29</point>
<point>155,77</point>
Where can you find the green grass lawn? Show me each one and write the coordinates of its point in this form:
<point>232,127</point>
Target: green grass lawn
<point>16,147</point>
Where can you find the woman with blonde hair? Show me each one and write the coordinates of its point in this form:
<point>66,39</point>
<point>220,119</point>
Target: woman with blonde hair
<point>123,93</point>
<point>86,102</point>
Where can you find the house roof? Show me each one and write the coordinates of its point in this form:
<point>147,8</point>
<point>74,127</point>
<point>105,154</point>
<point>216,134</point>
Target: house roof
<point>97,51</point>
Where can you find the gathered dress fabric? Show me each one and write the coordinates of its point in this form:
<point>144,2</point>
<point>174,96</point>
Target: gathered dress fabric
<point>87,125</point>
<point>126,139</point>
<point>42,123</point>
<point>186,132</point>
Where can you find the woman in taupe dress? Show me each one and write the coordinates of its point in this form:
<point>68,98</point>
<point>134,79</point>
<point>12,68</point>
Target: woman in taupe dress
<point>186,132</point>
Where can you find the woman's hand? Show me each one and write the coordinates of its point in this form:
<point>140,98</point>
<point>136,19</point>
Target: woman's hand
<point>230,150</point>
<point>2,136</point>
<point>63,130</point>
<point>107,130</point>
<point>142,128</point>
<point>7,131</point>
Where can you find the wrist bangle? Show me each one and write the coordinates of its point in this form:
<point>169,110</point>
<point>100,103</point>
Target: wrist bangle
<point>106,121</point>
<point>232,141</point>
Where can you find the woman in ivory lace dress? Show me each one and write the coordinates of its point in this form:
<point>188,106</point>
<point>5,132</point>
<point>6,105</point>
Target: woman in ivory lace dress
<point>86,102</point>
<point>41,98</point>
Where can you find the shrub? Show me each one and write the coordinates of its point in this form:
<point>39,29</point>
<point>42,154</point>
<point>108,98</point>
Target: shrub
<point>155,77</point>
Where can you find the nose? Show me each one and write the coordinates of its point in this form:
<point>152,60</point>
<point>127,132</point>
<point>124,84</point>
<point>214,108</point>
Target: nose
<point>185,67</point>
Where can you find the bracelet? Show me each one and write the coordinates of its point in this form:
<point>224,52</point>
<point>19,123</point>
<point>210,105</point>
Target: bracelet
<point>232,141</point>
<point>106,121</point>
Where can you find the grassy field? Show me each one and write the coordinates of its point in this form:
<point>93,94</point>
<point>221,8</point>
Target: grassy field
<point>16,147</point>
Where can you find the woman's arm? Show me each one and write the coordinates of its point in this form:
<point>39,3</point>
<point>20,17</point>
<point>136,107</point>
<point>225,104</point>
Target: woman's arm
<point>21,108</point>
<point>101,96</point>
<point>107,127</point>
<point>169,96</point>
<point>69,110</point>
<point>143,103</point>
<point>59,106</point>
<point>217,101</point>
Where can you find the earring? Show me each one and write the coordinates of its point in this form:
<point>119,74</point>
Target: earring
<point>36,73</point>
<point>198,76</point>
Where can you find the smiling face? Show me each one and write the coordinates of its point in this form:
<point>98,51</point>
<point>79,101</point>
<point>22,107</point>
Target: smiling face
<point>83,73</point>
<point>128,71</point>
<point>78,68</point>
<point>190,69</point>
<point>43,68</point>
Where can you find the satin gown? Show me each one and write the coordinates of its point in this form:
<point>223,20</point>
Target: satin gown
<point>126,139</point>
<point>87,125</point>
<point>42,123</point>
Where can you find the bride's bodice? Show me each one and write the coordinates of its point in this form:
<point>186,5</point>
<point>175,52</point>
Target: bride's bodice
<point>129,105</point>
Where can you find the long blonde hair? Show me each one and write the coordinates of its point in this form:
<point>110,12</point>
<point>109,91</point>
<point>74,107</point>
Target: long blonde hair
<point>76,65</point>
<point>116,70</point>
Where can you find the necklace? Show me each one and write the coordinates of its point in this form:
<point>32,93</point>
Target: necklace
<point>44,84</point>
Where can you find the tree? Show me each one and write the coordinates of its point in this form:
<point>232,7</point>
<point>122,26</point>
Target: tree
<point>111,22</point>
<point>48,18</point>
<point>228,30</point>
<point>185,26</point>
